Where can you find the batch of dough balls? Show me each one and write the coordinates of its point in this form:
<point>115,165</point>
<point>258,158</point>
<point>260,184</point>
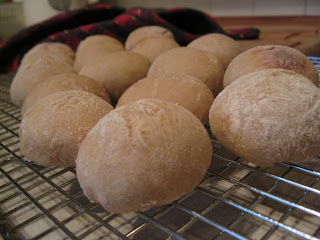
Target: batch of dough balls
<point>130,117</point>
<point>269,110</point>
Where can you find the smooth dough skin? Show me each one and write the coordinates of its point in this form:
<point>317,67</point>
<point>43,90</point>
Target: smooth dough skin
<point>63,82</point>
<point>152,47</point>
<point>52,130</point>
<point>117,71</point>
<point>269,116</point>
<point>270,57</point>
<point>144,32</point>
<point>222,46</point>
<point>191,61</point>
<point>93,47</point>
<point>142,155</point>
<point>59,50</point>
<point>31,73</point>
<point>184,90</point>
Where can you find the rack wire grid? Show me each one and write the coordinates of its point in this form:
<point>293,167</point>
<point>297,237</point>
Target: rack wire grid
<point>235,200</point>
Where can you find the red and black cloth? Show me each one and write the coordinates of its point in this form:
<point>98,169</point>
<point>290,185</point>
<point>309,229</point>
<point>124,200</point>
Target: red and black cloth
<point>73,26</point>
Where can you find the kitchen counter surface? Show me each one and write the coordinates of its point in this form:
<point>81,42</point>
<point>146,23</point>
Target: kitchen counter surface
<point>301,32</point>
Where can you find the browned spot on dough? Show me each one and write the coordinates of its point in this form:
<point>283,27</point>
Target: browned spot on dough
<point>283,58</point>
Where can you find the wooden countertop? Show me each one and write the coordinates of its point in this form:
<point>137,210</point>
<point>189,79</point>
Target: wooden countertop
<point>301,32</point>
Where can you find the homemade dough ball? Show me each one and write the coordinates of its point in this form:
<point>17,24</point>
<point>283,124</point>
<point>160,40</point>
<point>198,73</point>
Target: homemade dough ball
<point>152,47</point>
<point>144,32</point>
<point>269,116</point>
<point>63,82</point>
<point>143,154</point>
<point>93,47</point>
<point>31,73</point>
<point>222,46</point>
<point>58,50</point>
<point>184,90</point>
<point>52,130</point>
<point>270,57</point>
<point>117,71</point>
<point>191,61</point>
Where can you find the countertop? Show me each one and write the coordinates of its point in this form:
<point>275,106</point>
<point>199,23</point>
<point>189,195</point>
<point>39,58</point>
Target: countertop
<point>300,32</point>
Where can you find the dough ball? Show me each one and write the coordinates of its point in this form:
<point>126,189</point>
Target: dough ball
<point>63,82</point>
<point>222,46</point>
<point>270,57</point>
<point>191,61</point>
<point>52,130</point>
<point>144,32</point>
<point>117,71</point>
<point>152,47</point>
<point>183,90</point>
<point>93,47</point>
<point>269,116</point>
<point>143,154</point>
<point>31,73</point>
<point>59,50</point>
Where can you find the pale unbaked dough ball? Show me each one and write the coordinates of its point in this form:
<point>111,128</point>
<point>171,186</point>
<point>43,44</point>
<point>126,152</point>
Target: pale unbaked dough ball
<point>31,73</point>
<point>184,90</point>
<point>58,50</point>
<point>269,116</point>
<point>63,82</point>
<point>117,71</point>
<point>52,130</point>
<point>222,46</point>
<point>143,154</point>
<point>93,47</point>
<point>270,57</point>
<point>191,61</point>
<point>152,47</point>
<point>144,32</point>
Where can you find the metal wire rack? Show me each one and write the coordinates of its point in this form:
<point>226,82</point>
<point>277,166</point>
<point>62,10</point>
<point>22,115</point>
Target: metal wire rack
<point>235,200</point>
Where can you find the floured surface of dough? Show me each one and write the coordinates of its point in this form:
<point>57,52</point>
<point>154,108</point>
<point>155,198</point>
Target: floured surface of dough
<point>222,46</point>
<point>143,154</point>
<point>52,130</point>
<point>117,71</point>
<point>94,47</point>
<point>152,47</point>
<point>269,116</point>
<point>191,61</point>
<point>58,50</point>
<point>270,57</point>
<point>63,82</point>
<point>184,90</point>
<point>30,74</point>
<point>144,32</point>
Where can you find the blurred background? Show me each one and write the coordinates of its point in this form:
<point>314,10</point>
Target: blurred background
<point>16,14</point>
<point>295,23</point>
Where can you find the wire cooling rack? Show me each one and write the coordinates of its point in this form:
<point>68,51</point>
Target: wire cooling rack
<point>235,200</point>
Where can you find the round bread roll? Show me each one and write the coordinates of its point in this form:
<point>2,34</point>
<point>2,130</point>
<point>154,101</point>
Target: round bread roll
<point>52,130</point>
<point>184,90</point>
<point>59,50</point>
<point>143,154</point>
<point>222,46</point>
<point>144,32</point>
<point>270,57</point>
<point>30,74</point>
<point>191,61</point>
<point>152,47</point>
<point>269,116</point>
<point>63,82</point>
<point>93,47</point>
<point>117,71</point>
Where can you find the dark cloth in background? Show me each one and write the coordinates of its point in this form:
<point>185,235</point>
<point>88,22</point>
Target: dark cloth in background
<point>73,26</point>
